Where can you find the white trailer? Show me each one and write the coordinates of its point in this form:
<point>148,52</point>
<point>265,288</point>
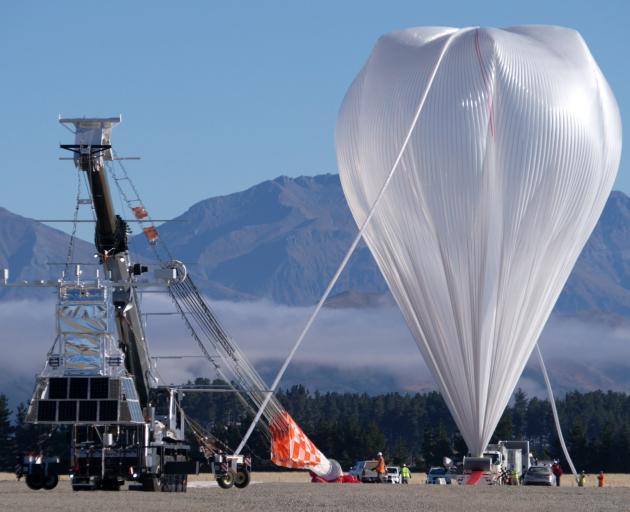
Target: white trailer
<point>498,459</point>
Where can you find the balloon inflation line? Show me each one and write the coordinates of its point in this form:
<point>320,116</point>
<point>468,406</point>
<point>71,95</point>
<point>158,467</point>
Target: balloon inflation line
<point>556,419</point>
<point>355,242</point>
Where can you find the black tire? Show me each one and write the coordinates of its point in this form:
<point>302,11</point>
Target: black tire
<point>35,481</point>
<point>50,482</point>
<point>242,479</point>
<point>110,484</point>
<point>168,483</point>
<point>173,483</point>
<point>226,481</point>
<point>150,483</point>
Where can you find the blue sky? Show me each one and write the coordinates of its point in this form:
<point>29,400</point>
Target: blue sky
<point>218,96</point>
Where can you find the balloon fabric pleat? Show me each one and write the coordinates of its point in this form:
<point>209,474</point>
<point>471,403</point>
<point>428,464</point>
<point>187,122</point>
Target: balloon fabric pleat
<point>500,185</point>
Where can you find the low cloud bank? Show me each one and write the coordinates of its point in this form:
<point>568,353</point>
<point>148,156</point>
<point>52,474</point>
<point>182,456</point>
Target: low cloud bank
<point>367,349</point>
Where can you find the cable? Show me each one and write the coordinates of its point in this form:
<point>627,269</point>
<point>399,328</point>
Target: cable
<point>554,410</point>
<point>353,246</point>
<point>201,321</point>
<point>74,226</point>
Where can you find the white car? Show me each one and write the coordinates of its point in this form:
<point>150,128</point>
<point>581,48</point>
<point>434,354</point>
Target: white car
<point>393,475</point>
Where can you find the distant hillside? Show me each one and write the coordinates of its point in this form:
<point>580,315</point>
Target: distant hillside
<point>31,250</point>
<point>600,281</point>
<point>283,239</point>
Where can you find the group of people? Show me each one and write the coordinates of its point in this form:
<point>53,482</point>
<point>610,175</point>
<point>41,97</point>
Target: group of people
<point>381,470</point>
<point>556,469</point>
<point>600,479</point>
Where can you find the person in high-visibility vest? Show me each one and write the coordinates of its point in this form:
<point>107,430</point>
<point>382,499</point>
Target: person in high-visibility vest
<point>405,474</point>
<point>600,479</point>
<point>582,479</point>
<point>380,468</point>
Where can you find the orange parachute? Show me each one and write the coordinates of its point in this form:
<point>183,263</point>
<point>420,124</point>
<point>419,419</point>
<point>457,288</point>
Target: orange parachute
<point>290,447</point>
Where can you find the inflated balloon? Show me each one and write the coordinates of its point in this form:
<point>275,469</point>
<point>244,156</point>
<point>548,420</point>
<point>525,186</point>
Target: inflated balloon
<point>502,146</point>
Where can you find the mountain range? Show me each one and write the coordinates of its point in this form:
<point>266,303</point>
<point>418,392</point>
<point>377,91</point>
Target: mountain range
<point>282,240</point>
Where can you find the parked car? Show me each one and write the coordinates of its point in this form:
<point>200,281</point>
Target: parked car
<point>539,475</point>
<point>439,475</point>
<point>393,475</point>
<point>365,470</point>
<point>356,470</point>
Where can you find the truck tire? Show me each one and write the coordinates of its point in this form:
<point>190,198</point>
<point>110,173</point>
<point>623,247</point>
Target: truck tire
<point>35,481</point>
<point>242,479</point>
<point>150,483</point>
<point>110,484</point>
<point>50,482</point>
<point>226,481</point>
<point>165,483</point>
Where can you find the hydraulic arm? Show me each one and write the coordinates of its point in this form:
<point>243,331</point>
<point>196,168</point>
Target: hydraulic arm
<point>91,149</point>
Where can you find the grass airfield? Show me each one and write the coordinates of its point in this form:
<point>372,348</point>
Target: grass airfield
<point>293,492</point>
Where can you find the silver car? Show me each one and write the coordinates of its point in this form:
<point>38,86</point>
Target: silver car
<point>539,475</point>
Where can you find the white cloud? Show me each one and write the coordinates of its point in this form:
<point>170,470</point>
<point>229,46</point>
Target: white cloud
<point>362,340</point>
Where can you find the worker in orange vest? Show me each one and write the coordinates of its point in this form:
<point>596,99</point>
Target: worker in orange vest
<point>600,479</point>
<point>380,468</point>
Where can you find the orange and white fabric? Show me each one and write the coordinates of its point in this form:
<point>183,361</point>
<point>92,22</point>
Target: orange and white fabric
<point>290,447</point>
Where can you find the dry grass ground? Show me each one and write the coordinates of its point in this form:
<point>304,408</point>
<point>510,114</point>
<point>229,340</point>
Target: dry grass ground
<point>296,497</point>
<point>290,477</point>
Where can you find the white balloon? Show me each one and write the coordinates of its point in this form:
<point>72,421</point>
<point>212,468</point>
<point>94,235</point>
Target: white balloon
<point>507,168</point>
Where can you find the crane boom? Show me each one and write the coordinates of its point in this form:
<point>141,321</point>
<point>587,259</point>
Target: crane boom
<point>92,147</point>
<point>98,377</point>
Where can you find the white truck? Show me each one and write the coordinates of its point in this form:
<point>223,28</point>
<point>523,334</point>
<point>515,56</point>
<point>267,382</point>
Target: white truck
<point>498,461</point>
<point>365,471</point>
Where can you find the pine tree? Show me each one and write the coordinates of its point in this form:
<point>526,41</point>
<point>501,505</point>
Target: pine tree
<point>7,440</point>
<point>375,440</point>
<point>578,445</point>
<point>460,448</point>
<point>519,414</point>
<point>401,454</point>
<point>26,434</point>
<point>428,448</point>
<point>504,429</point>
<point>442,444</point>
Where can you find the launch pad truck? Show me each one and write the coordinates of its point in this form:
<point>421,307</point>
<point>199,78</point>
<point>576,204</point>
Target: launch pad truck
<point>99,380</point>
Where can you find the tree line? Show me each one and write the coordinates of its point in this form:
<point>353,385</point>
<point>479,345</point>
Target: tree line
<point>416,429</point>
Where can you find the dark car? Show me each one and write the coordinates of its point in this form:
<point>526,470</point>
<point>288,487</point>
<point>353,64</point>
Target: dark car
<point>539,475</point>
<point>435,474</point>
